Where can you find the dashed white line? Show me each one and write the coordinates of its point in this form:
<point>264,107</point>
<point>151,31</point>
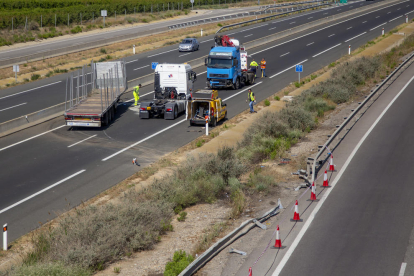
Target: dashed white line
<point>326,50</point>
<point>310,43</point>
<point>402,269</point>
<point>338,10</point>
<point>398,9</point>
<point>131,61</point>
<point>206,40</point>
<point>29,90</point>
<point>285,54</point>
<point>331,35</point>
<point>355,36</point>
<point>395,18</point>
<point>378,26</point>
<point>272,28</point>
<point>141,67</point>
<point>310,17</point>
<point>388,12</point>
<point>349,28</point>
<point>288,68</point>
<point>325,13</point>
<point>25,140</point>
<point>184,55</point>
<point>292,22</point>
<point>407,6</point>
<point>161,53</point>
<point>12,106</point>
<point>377,16</point>
<point>41,191</point>
<point>364,22</point>
<point>82,141</point>
<point>248,35</point>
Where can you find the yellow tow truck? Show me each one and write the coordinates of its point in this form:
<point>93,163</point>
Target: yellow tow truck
<point>206,105</point>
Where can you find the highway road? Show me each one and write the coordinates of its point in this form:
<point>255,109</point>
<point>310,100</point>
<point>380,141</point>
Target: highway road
<point>50,166</point>
<point>31,97</point>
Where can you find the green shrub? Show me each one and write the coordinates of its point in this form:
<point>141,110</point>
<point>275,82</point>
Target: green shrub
<point>35,77</point>
<point>313,77</point>
<point>297,84</point>
<point>76,30</point>
<point>331,65</point>
<point>266,102</point>
<point>180,261</point>
<point>220,25</point>
<point>50,73</point>
<point>103,51</point>
<point>182,217</point>
<point>277,98</point>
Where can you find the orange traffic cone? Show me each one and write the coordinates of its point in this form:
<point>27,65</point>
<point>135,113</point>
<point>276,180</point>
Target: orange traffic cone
<point>296,216</point>
<point>325,179</point>
<point>313,192</point>
<point>331,164</point>
<point>250,271</point>
<point>278,242</point>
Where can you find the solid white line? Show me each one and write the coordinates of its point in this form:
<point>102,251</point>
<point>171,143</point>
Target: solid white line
<point>143,140</point>
<point>378,26</point>
<point>162,53</point>
<point>325,196</point>
<point>331,35</point>
<point>292,22</point>
<point>202,73</point>
<point>25,140</point>
<point>288,68</point>
<point>310,43</point>
<point>241,91</point>
<point>141,67</point>
<point>325,28</point>
<point>364,22</point>
<point>248,35</point>
<point>402,269</point>
<point>41,191</point>
<point>184,55</point>
<point>349,28</point>
<point>12,106</point>
<point>272,28</point>
<point>395,18</point>
<point>355,36</point>
<point>30,90</point>
<point>285,54</point>
<point>326,50</point>
<point>82,141</point>
<point>131,61</point>
<point>410,11</point>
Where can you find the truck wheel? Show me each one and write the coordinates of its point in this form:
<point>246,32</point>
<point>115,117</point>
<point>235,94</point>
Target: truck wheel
<point>105,119</point>
<point>237,84</point>
<point>175,112</point>
<point>213,122</point>
<point>112,113</point>
<point>252,82</point>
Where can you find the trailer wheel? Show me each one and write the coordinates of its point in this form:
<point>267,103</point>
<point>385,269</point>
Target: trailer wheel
<point>175,112</point>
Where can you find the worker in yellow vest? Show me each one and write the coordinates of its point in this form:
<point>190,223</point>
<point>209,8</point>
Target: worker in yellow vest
<point>253,66</point>
<point>136,93</point>
<point>263,67</point>
<point>252,100</point>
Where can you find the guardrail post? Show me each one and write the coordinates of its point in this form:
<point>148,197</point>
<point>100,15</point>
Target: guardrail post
<point>382,31</point>
<point>349,50</point>
<point>133,49</point>
<point>406,18</point>
<point>5,237</point>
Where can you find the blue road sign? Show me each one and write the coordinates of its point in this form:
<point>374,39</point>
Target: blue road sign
<point>299,68</point>
<point>154,65</point>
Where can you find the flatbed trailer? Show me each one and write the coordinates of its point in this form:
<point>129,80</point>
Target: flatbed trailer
<point>94,104</point>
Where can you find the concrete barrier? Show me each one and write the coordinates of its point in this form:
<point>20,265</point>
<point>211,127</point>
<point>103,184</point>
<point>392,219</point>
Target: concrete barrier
<point>58,110</point>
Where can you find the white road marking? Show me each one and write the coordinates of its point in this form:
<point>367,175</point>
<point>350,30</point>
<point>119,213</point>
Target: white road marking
<point>364,22</point>
<point>377,16</point>
<point>349,28</point>
<point>331,35</point>
<point>395,18</point>
<point>338,10</point>
<point>310,17</point>
<point>325,13</point>
<point>141,67</point>
<point>407,6</point>
<point>241,91</point>
<point>410,12</point>
<point>325,196</point>
<point>184,55</point>
<point>292,22</point>
<point>143,140</point>
<point>206,40</point>
<point>29,90</point>
<point>41,191</point>
<point>12,106</point>
<point>310,43</point>
<point>162,53</point>
<point>388,12</point>
<point>285,54</point>
<point>25,140</point>
<point>378,26</point>
<point>355,36</point>
<point>288,68</point>
<point>402,269</point>
<point>398,9</point>
<point>325,28</point>
<point>131,61</point>
<point>248,35</point>
<point>82,141</point>
<point>202,73</point>
<point>272,28</point>
<point>326,50</point>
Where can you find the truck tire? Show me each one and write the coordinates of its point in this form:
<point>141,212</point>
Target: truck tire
<point>105,119</point>
<point>112,113</point>
<point>213,122</point>
<point>175,112</point>
<point>237,84</point>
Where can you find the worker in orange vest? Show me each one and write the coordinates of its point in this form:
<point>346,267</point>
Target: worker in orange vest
<point>263,67</point>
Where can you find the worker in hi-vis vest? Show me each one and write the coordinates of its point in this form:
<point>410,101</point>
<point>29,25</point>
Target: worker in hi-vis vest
<point>263,67</point>
<point>253,66</point>
<point>252,100</point>
<point>136,93</point>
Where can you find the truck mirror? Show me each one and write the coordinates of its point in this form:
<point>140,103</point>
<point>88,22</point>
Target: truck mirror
<point>205,61</point>
<point>195,76</point>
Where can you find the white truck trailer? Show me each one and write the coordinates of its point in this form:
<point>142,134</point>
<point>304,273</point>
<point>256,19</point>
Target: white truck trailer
<point>173,85</point>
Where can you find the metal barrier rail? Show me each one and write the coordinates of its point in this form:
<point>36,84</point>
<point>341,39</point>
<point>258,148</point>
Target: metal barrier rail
<point>234,16</point>
<point>353,114</point>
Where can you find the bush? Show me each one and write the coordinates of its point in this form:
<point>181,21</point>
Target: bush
<point>182,217</point>
<point>50,73</point>
<point>266,102</point>
<point>76,30</point>
<point>180,261</point>
<point>277,98</point>
<point>260,182</point>
<point>50,269</point>
<point>103,51</point>
<point>35,77</point>
<point>33,26</point>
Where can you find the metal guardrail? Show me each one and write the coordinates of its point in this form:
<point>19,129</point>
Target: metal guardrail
<point>353,114</point>
<point>270,16</point>
<point>289,4</point>
<point>238,15</point>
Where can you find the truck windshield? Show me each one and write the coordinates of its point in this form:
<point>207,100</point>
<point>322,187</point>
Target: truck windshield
<point>219,63</point>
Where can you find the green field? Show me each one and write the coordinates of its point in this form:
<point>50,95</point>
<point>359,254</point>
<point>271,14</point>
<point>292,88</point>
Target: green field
<point>45,12</point>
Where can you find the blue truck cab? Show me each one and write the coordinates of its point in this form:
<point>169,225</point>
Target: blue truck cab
<point>224,67</point>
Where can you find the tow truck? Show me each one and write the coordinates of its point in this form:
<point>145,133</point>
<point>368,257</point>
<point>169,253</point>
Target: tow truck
<point>205,105</point>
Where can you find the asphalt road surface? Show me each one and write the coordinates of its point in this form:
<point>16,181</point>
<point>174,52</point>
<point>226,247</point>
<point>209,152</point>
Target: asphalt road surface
<point>51,167</point>
<point>31,97</point>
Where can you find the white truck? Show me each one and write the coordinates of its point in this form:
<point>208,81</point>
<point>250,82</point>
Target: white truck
<point>173,85</point>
